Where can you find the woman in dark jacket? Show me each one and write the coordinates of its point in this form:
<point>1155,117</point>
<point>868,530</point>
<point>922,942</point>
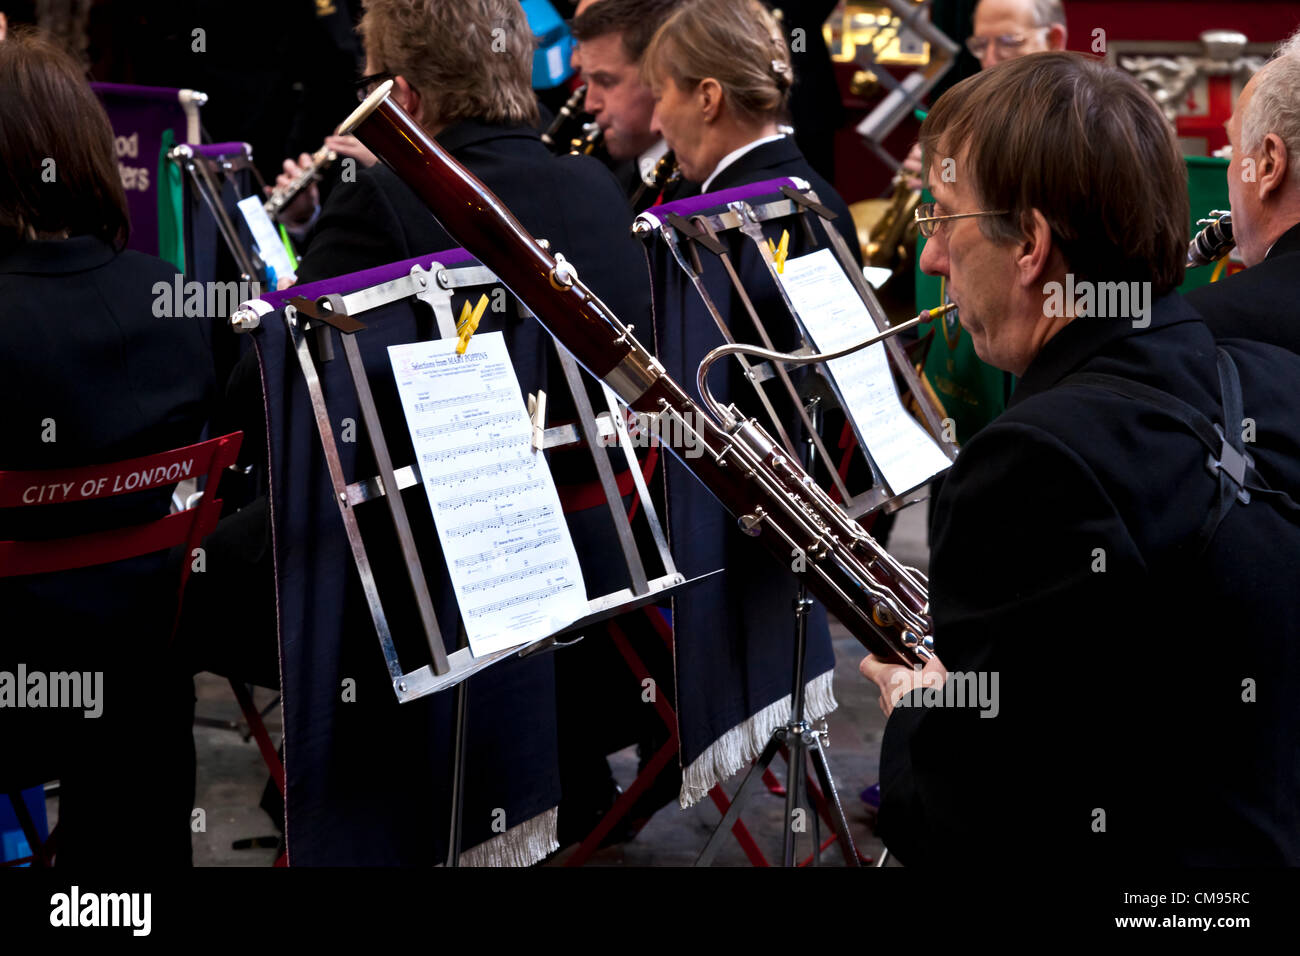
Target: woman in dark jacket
<point>94,368</point>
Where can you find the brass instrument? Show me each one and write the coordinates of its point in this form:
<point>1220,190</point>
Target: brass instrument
<point>1213,242</point>
<point>883,225</point>
<point>281,197</point>
<point>665,172</point>
<point>884,604</point>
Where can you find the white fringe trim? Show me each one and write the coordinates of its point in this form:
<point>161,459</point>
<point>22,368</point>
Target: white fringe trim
<point>738,746</point>
<point>522,845</point>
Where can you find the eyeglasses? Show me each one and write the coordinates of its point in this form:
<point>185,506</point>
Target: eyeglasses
<point>1007,43</point>
<point>928,223</point>
<point>366,85</point>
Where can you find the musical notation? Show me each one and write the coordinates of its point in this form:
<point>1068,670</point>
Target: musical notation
<point>489,495</point>
<point>502,521</point>
<point>527,571</point>
<point>494,503</point>
<point>466,424</point>
<point>516,547</point>
<point>516,600</point>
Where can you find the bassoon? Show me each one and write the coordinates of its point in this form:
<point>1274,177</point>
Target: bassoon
<point>884,604</point>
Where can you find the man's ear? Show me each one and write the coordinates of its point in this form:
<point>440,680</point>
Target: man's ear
<point>1272,166</point>
<point>708,98</point>
<point>1034,251</point>
<point>1056,36</point>
<point>407,97</point>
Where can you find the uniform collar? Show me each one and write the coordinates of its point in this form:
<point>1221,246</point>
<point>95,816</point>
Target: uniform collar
<point>57,256</point>
<point>1289,241</point>
<point>733,156</point>
<point>1083,338</point>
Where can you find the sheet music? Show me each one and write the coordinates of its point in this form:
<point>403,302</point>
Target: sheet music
<point>835,317</point>
<point>269,246</point>
<point>508,549</point>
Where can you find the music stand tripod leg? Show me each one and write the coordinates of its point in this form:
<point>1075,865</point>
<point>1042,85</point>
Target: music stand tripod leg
<point>747,788</point>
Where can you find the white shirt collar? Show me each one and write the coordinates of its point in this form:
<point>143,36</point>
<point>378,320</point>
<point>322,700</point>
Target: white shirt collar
<point>647,161</point>
<point>735,154</point>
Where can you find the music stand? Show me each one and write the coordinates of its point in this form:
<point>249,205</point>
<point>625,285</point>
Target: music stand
<point>685,226</point>
<point>335,316</point>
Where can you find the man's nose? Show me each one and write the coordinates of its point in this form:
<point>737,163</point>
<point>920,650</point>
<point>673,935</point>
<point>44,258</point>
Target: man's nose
<point>934,257</point>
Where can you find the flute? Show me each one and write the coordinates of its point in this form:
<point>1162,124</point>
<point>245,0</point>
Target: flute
<point>282,196</point>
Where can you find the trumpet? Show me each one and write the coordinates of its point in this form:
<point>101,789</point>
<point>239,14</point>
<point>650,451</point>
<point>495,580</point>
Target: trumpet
<point>281,197</point>
<point>882,603</point>
<point>1214,241</point>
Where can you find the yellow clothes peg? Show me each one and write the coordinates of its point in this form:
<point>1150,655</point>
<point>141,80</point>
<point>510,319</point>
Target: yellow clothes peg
<point>780,252</point>
<point>468,322</point>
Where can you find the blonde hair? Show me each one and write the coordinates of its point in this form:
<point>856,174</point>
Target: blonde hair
<point>468,59</point>
<point>736,42</point>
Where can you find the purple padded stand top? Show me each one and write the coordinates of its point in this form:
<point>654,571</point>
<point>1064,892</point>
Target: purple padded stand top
<point>222,150</point>
<point>354,281</point>
<point>694,205</point>
<point>165,93</point>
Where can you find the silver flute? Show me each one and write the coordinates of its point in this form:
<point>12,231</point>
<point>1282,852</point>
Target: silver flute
<point>281,196</point>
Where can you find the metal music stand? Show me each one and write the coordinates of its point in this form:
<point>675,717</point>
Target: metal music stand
<point>336,316</point>
<point>210,168</point>
<point>684,236</point>
<point>801,740</point>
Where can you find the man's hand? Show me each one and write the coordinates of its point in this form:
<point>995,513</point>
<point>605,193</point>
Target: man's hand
<point>896,681</point>
<point>299,212</point>
<point>351,146</point>
<point>912,166</point>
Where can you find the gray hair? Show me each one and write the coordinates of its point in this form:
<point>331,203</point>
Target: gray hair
<point>1275,107</point>
<point>1049,12</point>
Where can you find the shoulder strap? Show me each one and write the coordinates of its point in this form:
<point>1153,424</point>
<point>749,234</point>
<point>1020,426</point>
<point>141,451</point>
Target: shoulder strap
<point>1227,460</point>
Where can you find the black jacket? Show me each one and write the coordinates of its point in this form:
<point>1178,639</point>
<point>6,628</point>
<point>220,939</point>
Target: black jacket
<point>571,201</point>
<point>85,341</point>
<point>782,158</point>
<point>1259,303</point>
<point>1146,697</point>
<point>82,344</point>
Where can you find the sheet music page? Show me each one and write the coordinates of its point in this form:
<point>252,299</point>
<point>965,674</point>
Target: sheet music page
<point>269,246</point>
<point>508,549</point>
<point>835,318</point>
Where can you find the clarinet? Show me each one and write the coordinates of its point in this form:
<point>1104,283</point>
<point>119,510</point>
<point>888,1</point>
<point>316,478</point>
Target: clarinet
<point>1213,242</point>
<point>279,198</point>
<point>884,604</point>
<point>665,172</point>
<point>570,111</point>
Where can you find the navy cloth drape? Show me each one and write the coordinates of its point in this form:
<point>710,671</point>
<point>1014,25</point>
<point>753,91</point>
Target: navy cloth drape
<point>735,632</point>
<point>368,779</point>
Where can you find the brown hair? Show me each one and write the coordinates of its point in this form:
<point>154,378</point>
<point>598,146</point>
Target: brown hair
<point>635,20</point>
<point>58,173</point>
<point>1083,144</point>
<point>468,59</point>
<point>736,42</point>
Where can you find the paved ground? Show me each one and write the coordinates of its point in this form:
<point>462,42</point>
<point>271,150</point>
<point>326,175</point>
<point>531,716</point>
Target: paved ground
<point>231,775</point>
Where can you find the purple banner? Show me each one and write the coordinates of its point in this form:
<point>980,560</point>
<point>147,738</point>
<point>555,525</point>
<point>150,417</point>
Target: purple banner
<point>139,116</point>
